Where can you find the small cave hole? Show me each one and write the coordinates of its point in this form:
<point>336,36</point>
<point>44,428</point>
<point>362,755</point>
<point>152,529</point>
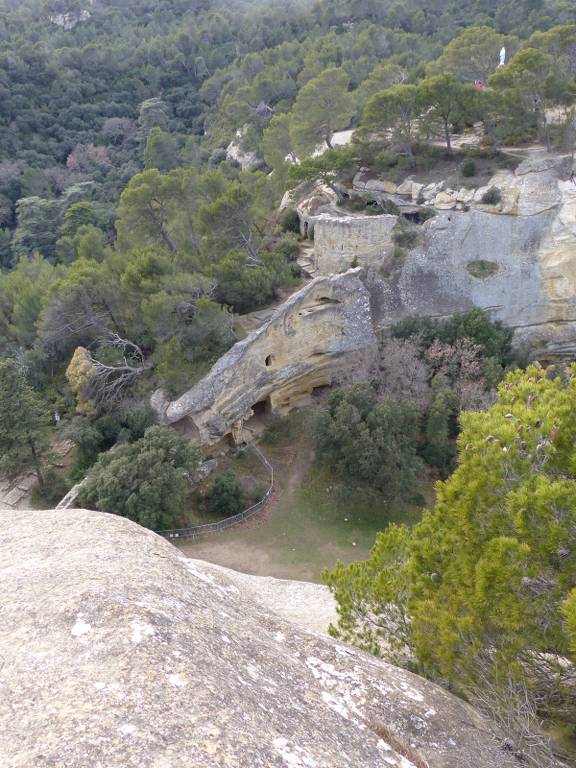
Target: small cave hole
<point>269,361</point>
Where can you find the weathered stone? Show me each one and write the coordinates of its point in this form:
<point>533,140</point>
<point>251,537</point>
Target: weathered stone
<point>203,471</point>
<point>13,497</point>
<point>321,199</point>
<point>341,241</point>
<point>534,290</point>
<point>118,651</point>
<point>465,195</point>
<point>27,482</point>
<point>416,190</point>
<point>364,181</point>
<point>248,161</point>
<point>405,188</point>
<point>308,342</point>
<point>480,192</point>
<point>358,181</point>
<point>381,185</point>
<point>444,201</point>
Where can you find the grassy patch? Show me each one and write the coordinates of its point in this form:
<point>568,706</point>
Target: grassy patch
<point>316,519</point>
<point>482,268</point>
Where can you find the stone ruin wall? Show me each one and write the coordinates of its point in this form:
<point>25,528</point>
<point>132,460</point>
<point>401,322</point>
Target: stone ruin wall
<point>344,242</point>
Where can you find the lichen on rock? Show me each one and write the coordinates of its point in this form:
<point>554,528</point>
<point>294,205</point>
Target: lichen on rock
<point>118,651</point>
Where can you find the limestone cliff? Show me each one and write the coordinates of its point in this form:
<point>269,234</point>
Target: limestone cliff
<point>309,340</point>
<point>528,243</point>
<point>525,243</point>
<point>117,651</point>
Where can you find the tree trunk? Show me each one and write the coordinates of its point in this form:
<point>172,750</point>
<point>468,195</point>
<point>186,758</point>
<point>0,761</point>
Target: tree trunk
<point>328,140</point>
<point>447,136</point>
<point>167,239</point>
<point>37,464</point>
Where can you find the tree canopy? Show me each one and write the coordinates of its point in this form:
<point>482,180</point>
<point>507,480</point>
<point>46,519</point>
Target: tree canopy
<point>481,590</point>
<point>145,481</point>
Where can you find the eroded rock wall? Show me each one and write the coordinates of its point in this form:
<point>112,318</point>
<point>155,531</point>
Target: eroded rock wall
<point>118,651</point>
<point>528,240</point>
<point>314,336</point>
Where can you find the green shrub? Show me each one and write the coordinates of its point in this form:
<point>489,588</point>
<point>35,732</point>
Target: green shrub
<point>357,204</point>
<point>146,481</point>
<point>424,214</point>
<point>389,206</point>
<point>385,160</point>
<point>290,222</point>
<point>288,247</point>
<point>482,268</point>
<point>492,337</point>
<point>406,238</point>
<point>348,436</point>
<point>469,168</point>
<point>276,431</point>
<point>225,497</point>
<point>492,197</point>
<point>51,491</point>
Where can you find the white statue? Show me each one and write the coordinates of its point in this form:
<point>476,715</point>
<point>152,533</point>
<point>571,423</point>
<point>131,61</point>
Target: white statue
<point>502,57</point>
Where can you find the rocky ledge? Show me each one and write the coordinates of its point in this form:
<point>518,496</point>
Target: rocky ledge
<point>117,651</point>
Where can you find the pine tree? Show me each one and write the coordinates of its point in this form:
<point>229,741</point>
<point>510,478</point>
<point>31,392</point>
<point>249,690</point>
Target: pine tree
<point>24,424</point>
<point>486,576</point>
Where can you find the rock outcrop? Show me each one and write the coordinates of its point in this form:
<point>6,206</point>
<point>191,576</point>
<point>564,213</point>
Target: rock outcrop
<point>312,338</point>
<point>529,240</point>
<point>117,651</point>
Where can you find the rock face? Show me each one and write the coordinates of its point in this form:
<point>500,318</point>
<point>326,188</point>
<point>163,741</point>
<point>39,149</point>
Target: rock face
<point>309,340</point>
<point>118,651</point>
<point>530,237</point>
<point>341,242</point>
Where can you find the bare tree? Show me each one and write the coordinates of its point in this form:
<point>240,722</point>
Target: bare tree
<point>108,382</point>
<point>401,374</point>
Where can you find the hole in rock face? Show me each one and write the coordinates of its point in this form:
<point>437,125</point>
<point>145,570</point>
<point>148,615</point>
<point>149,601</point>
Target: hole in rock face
<point>327,300</point>
<point>269,360</point>
<point>261,408</point>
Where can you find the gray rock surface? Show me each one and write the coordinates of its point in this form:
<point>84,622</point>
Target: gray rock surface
<point>530,236</point>
<point>117,652</point>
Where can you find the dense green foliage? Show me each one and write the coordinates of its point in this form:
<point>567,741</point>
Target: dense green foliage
<point>492,338</point>
<point>24,421</point>
<point>145,481</point>
<point>117,202</point>
<point>370,442</point>
<point>480,589</point>
<point>225,498</point>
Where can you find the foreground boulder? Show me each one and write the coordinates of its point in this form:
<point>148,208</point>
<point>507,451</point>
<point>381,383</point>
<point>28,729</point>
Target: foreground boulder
<point>118,651</point>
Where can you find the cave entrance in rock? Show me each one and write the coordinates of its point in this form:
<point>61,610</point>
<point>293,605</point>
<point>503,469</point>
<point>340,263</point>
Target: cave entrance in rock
<point>256,424</point>
<point>261,408</point>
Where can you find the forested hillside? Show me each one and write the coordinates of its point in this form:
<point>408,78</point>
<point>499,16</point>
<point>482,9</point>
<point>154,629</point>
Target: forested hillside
<point>145,146</point>
<point>126,226</point>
